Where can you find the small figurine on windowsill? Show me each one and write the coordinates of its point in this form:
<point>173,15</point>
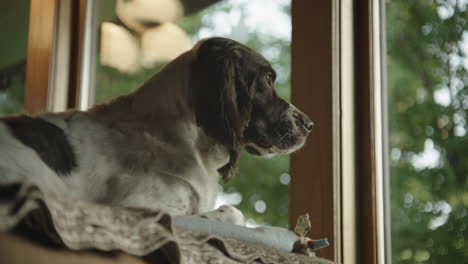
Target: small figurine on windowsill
<point>305,245</point>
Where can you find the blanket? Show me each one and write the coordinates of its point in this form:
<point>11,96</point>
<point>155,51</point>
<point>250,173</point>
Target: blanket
<point>59,221</point>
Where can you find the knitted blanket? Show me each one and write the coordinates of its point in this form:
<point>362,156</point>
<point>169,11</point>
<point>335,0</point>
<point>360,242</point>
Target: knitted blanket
<point>59,221</point>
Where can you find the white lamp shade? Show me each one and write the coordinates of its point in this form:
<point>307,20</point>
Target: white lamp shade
<point>162,44</point>
<point>119,48</point>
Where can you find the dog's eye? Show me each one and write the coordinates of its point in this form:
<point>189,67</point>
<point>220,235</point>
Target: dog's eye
<point>269,78</point>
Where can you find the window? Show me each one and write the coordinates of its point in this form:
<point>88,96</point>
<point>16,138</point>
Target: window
<point>427,107</point>
<point>130,52</point>
<point>323,181</point>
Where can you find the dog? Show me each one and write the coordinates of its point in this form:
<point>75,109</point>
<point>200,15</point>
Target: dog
<point>164,145</point>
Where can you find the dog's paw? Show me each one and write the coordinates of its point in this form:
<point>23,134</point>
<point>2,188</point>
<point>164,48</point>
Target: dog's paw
<point>227,214</point>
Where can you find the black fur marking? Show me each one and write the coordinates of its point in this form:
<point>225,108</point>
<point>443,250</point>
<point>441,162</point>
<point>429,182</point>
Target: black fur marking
<point>9,191</point>
<point>48,140</point>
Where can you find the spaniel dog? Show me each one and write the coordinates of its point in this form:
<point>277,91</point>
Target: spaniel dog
<point>164,145</point>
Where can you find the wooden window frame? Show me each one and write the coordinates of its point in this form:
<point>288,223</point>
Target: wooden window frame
<point>315,169</point>
<point>372,143</point>
<point>48,60</point>
<point>42,25</point>
<point>338,177</point>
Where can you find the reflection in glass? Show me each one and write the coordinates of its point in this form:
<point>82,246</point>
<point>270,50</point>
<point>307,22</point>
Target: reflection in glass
<point>136,40</point>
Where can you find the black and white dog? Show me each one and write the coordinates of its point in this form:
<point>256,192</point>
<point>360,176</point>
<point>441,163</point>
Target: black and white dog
<point>164,145</point>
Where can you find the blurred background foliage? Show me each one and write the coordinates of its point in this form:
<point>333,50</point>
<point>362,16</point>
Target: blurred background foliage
<point>427,48</point>
<point>14,21</point>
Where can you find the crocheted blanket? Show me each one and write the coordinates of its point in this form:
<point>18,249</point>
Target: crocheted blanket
<point>63,222</point>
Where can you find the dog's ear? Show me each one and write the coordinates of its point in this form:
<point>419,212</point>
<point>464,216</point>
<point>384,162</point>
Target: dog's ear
<point>221,97</point>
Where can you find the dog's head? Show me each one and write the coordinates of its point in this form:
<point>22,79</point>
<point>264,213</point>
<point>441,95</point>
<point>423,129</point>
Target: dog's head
<point>235,102</point>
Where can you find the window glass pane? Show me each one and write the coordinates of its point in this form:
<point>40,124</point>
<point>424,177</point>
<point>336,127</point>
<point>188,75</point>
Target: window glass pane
<point>133,47</point>
<point>427,45</point>
<point>14,19</point>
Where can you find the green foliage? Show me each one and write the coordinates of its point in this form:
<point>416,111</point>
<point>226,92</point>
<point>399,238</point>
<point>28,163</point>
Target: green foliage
<point>258,179</point>
<point>14,21</point>
<point>111,83</point>
<point>11,101</point>
<point>428,203</point>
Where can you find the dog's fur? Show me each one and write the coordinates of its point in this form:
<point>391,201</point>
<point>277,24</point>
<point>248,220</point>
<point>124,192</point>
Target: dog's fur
<point>164,145</point>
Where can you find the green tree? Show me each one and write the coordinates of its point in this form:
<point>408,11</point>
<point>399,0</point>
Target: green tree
<point>428,99</point>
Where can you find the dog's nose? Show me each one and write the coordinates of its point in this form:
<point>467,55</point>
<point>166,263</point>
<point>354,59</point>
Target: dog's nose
<point>302,119</point>
<point>308,125</point>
